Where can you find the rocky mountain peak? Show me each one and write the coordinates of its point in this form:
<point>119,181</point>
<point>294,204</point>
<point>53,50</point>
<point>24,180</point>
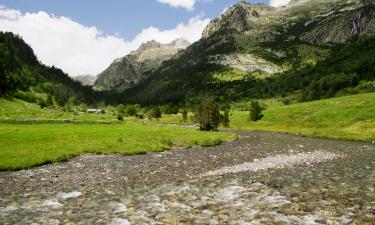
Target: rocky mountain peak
<point>149,45</point>
<point>126,72</point>
<point>239,17</point>
<point>180,43</point>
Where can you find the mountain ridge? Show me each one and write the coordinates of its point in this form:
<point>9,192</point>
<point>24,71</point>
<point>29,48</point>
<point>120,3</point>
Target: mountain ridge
<point>284,38</point>
<point>128,71</point>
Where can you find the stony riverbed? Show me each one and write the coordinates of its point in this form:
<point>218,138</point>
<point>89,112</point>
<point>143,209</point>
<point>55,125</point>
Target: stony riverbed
<point>261,178</point>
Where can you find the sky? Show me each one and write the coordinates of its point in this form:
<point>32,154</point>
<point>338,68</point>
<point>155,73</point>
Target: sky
<point>83,37</point>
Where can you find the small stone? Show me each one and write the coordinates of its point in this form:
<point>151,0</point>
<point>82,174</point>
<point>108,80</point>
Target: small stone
<point>120,208</point>
<point>74,194</point>
<point>119,221</point>
<point>53,204</point>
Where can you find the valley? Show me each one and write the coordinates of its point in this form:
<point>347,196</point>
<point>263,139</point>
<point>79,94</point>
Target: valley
<point>267,118</point>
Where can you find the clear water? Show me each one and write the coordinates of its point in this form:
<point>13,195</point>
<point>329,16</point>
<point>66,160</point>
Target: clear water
<point>337,192</point>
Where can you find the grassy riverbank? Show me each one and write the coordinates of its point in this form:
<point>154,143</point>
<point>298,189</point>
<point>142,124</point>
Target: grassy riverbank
<point>344,118</point>
<point>24,146</point>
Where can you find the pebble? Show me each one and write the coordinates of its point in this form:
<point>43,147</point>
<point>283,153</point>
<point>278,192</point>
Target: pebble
<point>119,221</point>
<point>53,204</point>
<point>74,194</point>
<point>300,195</point>
<point>120,208</point>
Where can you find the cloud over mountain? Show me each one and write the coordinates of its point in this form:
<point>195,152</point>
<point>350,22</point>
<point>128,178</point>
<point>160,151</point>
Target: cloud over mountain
<point>79,49</point>
<point>187,4</point>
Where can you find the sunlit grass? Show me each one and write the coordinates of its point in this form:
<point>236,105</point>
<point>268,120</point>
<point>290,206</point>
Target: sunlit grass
<point>24,146</point>
<point>347,118</point>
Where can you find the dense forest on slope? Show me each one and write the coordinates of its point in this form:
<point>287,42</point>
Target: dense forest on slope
<point>21,71</point>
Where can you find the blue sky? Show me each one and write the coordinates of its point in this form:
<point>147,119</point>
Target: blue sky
<point>124,18</point>
<point>83,37</point>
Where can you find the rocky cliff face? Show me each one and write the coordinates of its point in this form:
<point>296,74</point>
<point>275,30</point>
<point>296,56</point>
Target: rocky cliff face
<point>128,71</point>
<point>240,17</point>
<point>341,24</point>
<point>249,39</point>
<point>332,21</point>
<point>317,22</point>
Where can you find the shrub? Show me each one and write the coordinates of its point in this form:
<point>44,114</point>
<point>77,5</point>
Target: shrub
<point>225,118</point>
<point>169,109</point>
<point>184,115</point>
<point>49,101</point>
<point>26,96</point>
<point>154,112</point>
<point>140,116</point>
<point>121,108</point>
<point>255,111</point>
<point>131,110</point>
<point>120,116</point>
<point>42,103</point>
<point>286,101</point>
<point>208,115</point>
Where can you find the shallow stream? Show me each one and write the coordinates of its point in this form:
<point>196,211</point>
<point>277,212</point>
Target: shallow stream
<point>337,191</point>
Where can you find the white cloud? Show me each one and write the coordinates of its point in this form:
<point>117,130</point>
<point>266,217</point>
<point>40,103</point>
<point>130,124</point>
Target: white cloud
<point>78,49</point>
<point>278,3</point>
<point>187,4</point>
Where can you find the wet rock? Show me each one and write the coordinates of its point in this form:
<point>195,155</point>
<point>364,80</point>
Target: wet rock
<point>120,208</point>
<point>119,221</point>
<point>53,204</point>
<point>74,194</point>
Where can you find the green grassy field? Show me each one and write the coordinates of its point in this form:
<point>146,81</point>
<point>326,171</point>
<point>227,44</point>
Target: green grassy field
<point>16,110</point>
<point>24,146</point>
<point>345,118</point>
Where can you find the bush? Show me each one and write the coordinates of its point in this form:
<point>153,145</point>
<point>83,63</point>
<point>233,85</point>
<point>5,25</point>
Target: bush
<point>26,96</point>
<point>184,115</point>
<point>154,112</point>
<point>120,116</point>
<point>225,118</point>
<point>255,111</point>
<point>208,115</point>
<point>286,101</point>
<point>131,110</point>
<point>121,108</point>
<point>42,103</point>
<point>169,109</point>
<point>49,101</point>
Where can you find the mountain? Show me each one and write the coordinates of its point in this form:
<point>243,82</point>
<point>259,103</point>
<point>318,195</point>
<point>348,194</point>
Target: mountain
<point>257,51</point>
<point>86,79</point>
<point>22,75</point>
<point>128,71</point>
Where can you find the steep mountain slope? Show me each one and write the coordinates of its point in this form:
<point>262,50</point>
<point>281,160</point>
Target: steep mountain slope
<point>20,71</point>
<point>128,71</point>
<point>253,46</point>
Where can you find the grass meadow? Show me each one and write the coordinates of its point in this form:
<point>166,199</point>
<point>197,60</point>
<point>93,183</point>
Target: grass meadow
<point>27,145</point>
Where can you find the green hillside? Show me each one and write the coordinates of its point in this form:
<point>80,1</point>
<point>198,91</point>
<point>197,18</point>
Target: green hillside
<point>347,118</point>
<point>313,46</point>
